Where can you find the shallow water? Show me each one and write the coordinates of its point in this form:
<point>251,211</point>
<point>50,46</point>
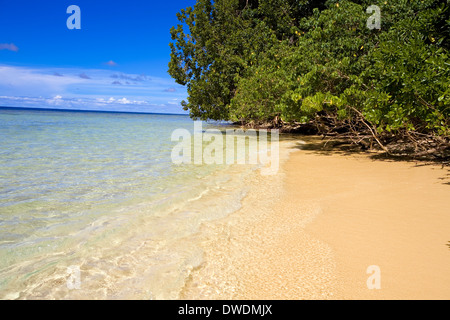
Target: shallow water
<point>98,192</point>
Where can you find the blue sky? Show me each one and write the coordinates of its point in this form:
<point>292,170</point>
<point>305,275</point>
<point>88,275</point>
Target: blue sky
<point>117,60</point>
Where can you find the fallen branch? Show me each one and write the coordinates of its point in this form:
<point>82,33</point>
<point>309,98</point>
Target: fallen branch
<point>370,129</point>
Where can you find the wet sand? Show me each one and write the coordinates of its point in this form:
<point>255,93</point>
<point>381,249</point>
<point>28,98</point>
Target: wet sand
<point>312,231</point>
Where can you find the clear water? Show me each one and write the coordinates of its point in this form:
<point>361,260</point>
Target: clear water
<point>99,191</point>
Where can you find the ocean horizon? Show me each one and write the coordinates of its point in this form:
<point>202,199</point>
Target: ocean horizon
<point>87,111</point>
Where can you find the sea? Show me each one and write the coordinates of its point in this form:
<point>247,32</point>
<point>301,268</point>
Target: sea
<point>92,206</point>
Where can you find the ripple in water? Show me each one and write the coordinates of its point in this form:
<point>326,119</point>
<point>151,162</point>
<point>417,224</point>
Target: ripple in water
<point>99,192</point>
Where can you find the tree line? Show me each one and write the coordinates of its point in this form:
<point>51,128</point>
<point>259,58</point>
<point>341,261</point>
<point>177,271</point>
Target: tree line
<point>316,67</point>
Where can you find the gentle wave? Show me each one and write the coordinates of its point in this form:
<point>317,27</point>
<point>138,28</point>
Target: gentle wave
<point>99,192</point>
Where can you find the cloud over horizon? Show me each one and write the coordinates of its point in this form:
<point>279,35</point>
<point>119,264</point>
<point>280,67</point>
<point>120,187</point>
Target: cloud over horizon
<point>100,104</point>
<point>68,88</point>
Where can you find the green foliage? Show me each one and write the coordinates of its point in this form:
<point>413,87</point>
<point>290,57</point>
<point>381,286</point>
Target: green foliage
<point>258,60</point>
<point>210,57</point>
<point>411,66</point>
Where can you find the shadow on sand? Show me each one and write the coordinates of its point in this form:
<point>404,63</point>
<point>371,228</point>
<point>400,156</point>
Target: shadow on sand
<point>328,147</point>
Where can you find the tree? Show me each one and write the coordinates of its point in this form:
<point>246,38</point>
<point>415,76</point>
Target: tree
<point>317,63</point>
<point>217,42</point>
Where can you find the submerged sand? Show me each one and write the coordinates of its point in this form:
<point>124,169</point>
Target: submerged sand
<point>312,231</point>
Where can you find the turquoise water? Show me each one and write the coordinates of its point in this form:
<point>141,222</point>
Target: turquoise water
<point>99,191</point>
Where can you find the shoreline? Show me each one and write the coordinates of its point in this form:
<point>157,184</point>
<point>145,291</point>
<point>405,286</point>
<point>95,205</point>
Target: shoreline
<point>391,214</point>
<point>312,231</point>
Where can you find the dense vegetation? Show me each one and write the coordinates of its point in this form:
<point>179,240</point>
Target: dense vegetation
<point>315,66</point>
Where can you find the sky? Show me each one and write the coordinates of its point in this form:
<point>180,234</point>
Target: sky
<point>116,61</point>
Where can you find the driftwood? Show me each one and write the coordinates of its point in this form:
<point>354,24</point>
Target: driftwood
<point>362,134</point>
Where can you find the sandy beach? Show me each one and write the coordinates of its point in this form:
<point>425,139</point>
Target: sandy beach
<point>312,231</point>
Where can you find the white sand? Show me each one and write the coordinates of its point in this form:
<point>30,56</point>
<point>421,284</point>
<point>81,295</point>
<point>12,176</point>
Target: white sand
<point>312,231</point>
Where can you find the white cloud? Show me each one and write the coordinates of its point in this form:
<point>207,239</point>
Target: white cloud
<point>124,101</point>
<point>21,81</point>
<point>9,46</point>
<point>56,101</point>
